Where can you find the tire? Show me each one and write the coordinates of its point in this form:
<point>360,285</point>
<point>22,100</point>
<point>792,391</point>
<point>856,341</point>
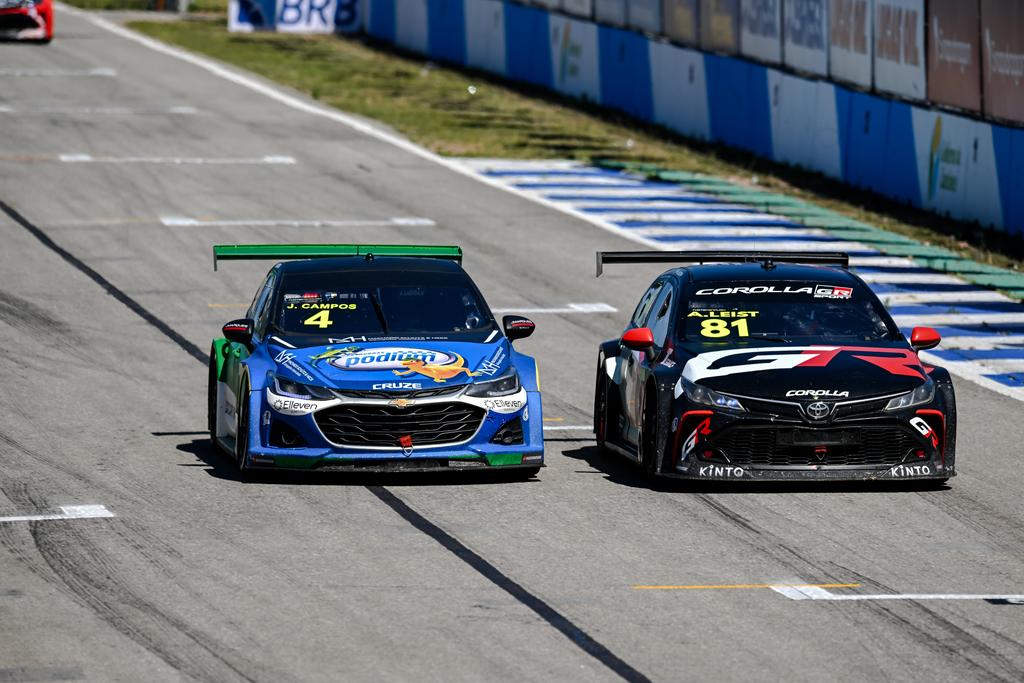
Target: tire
<point>600,406</point>
<point>242,429</point>
<point>211,399</point>
<point>649,433</point>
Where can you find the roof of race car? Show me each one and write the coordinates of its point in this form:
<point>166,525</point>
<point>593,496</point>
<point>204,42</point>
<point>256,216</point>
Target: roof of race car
<point>417,264</point>
<point>748,272</point>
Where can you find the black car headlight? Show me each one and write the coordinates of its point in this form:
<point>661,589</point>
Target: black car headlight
<point>923,394</point>
<point>502,386</point>
<point>293,389</point>
<point>709,397</point>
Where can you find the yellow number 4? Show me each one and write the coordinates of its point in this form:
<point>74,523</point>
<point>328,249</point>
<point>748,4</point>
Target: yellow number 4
<point>321,319</point>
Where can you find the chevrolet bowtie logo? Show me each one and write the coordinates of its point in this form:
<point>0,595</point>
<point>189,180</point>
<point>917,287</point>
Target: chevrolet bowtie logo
<point>401,403</point>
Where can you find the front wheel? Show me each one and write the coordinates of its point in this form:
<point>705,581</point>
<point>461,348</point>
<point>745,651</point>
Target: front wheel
<point>648,437</point>
<point>242,428</point>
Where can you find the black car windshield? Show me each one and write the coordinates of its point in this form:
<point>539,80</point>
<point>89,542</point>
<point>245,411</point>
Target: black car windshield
<point>783,311</point>
<point>380,303</point>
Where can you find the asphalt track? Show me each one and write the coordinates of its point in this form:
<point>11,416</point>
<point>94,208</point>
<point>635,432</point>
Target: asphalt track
<point>106,311</point>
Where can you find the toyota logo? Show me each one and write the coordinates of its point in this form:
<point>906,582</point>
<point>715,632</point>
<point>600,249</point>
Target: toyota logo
<point>818,410</point>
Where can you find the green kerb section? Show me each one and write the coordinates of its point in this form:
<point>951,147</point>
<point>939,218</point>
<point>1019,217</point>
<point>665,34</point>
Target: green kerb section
<point>280,252</point>
<point>502,459</point>
<point>842,227</point>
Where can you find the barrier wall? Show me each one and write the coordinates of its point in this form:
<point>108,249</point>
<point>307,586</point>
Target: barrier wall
<point>957,166</point>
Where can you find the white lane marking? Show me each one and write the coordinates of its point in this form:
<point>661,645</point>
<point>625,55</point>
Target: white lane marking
<point>361,126</point>
<point>983,342</point>
<point>814,593</point>
<point>181,222</point>
<point>959,319</point>
<point>707,231</point>
<point>698,218</point>
<point>558,179</point>
<point>66,512</point>
<point>882,261</point>
<point>569,308</point>
<point>45,73</point>
<point>903,298</point>
<point>766,245</point>
<point>569,428</point>
<point>923,278</point>
<point>683,207</point>
<point>212,161</point>
<point>99,111</point>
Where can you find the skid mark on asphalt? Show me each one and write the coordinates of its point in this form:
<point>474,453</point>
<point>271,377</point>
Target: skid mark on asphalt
<point>553,617</point>
<point>981,328</point>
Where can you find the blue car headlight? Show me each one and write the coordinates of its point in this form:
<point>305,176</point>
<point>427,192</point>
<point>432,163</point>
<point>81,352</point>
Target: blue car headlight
<point>709,397</point>
<point>293,389</point>
<point>502,386</point>
<point>923,394</point>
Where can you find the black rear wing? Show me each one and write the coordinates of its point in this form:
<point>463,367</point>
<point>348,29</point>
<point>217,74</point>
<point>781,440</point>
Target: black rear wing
<point>818,258</point>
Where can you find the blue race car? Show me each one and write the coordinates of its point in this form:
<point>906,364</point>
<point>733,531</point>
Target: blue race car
<point>372,358</point>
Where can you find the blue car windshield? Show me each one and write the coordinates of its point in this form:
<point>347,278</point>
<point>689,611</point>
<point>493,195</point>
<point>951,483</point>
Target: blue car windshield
<point>387,304</point>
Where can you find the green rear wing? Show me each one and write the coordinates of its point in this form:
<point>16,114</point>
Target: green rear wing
<point>284,252</point>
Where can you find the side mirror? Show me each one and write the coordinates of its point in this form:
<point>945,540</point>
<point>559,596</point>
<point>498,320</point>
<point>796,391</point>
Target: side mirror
<point>923,338</point>
<point>638,339</point>
<point>239,331</point>
<point>517,327</point>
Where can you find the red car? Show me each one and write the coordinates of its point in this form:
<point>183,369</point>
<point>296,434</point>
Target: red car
<point>26,20</point>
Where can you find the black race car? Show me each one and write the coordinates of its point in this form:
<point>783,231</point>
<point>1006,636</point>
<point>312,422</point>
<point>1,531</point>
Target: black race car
<point>770,366</point>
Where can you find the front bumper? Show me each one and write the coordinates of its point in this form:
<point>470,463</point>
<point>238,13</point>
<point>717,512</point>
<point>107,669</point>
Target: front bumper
<point>723,446</point>
<point>317,453</point>
<point>24,23</point>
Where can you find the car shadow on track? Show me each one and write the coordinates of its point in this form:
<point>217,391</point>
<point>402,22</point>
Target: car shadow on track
<point>619,470</point>
<point>220,466</point>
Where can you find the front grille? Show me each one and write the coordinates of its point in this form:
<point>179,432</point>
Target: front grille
<point>864,446</point>
<point>381,426</point>
<point>17,22</point>
<point>419,393</point>
<point>776,408</point>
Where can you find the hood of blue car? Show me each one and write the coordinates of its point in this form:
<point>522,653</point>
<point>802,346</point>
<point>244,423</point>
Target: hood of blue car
<point>393,365</point>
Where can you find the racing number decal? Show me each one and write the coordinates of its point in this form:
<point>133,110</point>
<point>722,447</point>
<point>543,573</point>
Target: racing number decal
<point>716,327</point>
<point>321,319</point>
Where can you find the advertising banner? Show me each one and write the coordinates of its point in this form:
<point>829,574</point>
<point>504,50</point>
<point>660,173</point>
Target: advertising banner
<point>411,25</point>
<point>1002,64</point>
<point>720,25</point>
<point>644,15</point>
<point>574,61</point>
<point>485,35</point>
<point>680,90</point>
<point>295,16</point>
<point>806,36</point>
<point>849,47</point>
<point>761,30</point>
<point>611,12</point>
<point>954,70</point>
<point>680,21</point>
<point>581,8</point>
<point>899,48</point>
<point>957,169</point>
